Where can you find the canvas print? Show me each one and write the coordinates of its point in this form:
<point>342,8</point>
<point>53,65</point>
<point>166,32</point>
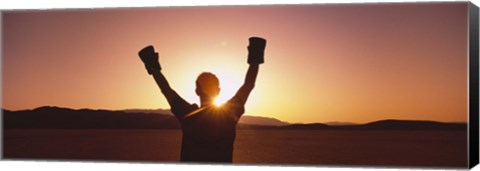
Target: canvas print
<point>382,85</point>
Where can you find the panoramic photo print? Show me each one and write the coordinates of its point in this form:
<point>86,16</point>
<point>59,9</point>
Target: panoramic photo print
<point>314,85</point>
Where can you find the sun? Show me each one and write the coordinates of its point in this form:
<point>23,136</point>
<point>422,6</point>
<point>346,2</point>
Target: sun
<point>229,85</point>
<point>230,75</point>
<point>217,102</point>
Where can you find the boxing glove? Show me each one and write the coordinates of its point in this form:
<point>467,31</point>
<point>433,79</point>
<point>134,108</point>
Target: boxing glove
<point>150,58</point>
<point>256,49</point>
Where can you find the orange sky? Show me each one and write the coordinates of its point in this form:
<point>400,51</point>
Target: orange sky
<point>352,63</point>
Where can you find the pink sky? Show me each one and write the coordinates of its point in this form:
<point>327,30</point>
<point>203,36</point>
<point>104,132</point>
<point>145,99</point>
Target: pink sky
<point>355,63</point>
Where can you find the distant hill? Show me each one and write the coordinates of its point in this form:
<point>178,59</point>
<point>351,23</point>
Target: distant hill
<point>156,111</point>
<point>49,117</point>
<point>56,117</point>
<point>312,126</point>
<point>257,120</point>
<point>412,125</point>
<point>245,119</point>
<point>340,123</point>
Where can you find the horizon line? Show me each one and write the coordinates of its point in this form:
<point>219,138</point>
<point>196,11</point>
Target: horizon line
<point>353,123</point>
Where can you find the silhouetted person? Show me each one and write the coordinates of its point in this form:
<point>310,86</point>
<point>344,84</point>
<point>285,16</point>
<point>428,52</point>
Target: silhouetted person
<point>208,130</point>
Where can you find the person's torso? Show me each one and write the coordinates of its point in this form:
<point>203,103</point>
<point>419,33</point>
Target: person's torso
<point>209,134</point>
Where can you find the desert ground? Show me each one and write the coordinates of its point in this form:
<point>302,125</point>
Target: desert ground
<point>431,149</point>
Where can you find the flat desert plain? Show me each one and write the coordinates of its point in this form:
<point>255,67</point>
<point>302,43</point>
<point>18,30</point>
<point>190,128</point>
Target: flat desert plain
<point>285,147</point>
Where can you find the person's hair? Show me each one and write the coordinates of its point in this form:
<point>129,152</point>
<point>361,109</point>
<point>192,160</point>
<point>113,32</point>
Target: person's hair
<point>208,84</point>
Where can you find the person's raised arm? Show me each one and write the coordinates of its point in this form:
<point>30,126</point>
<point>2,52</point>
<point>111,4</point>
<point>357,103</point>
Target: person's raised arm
<point>255,58</point>
<point>248,84</point>
<point>162,82</point>
<point>150,59</point>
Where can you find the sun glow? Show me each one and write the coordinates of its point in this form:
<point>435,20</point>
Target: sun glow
<point>218,102</point>
<point>228,87</point>
<point>229,74</point>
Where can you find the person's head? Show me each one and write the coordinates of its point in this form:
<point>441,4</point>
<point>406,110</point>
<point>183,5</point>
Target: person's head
<point>208,86</point>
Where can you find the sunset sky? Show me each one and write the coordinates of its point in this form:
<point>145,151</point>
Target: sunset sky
<point>349,63</point>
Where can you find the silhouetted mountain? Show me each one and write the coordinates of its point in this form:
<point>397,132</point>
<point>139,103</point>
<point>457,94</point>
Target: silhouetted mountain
<point>412,125</point>
<point>313,126</point>
<point>245,119</point>
<point>48,117</point>
<point>155,111</point>
<point>258,120</point>
<point>56,117</point>
<point>383,125</point>
<point>340,123</point>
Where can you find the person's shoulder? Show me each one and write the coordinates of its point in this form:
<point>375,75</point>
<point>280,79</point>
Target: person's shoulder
<point>194,106</point>
<point>234,100</point>
<point>183,108</point>
<point>234,103</point>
